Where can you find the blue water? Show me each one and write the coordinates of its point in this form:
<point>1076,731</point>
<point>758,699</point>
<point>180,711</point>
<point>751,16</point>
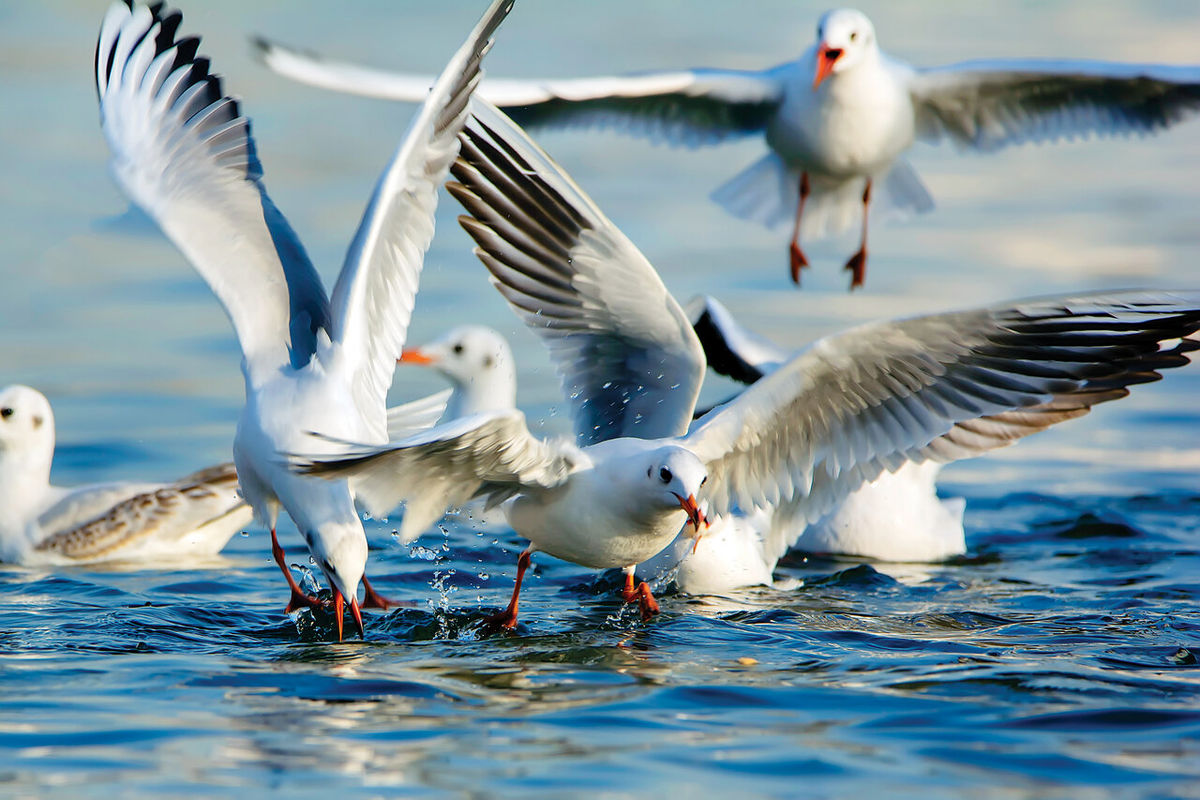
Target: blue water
<point>1058,659</point>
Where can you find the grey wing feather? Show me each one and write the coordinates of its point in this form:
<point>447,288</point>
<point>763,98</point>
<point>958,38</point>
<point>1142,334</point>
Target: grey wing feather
<point>685,107</point>
<point>490,454</point>
<point>182,151</point>
<point>374,295</point>
<point>939,387</point>
<point>630,363</point>
<point>168,512</point>
<point>991,104</point>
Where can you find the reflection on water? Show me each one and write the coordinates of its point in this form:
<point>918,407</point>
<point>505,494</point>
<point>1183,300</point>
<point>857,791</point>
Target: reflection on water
<point>1058,658</point>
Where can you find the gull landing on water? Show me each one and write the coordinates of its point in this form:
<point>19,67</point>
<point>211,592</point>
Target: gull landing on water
<point>147,523</point>
<point>182,151</point>
<point>832,417</point>
<point>837,120</point>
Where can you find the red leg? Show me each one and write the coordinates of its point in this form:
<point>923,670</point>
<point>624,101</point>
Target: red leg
<point>508,617</point>
<point>796,255</point>
<point>299,599</point>
<point>372,598</point>
<point>642,594</point>
<point>858,262</point>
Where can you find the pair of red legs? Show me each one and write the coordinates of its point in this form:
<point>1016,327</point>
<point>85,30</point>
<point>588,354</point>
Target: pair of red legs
<point>508,617</point>
<point>857,265</point>
<point>298,600</point>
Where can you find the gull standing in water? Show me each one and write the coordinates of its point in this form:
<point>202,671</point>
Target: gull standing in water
<point>837,120</point>
<point>834,416</point>
<point>149,523</point>
<point>182,151</point>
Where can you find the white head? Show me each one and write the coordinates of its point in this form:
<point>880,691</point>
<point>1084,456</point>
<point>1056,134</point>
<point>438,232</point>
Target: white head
<point>845,38</point>
<point>672,478</point>
<point>341,553</point>
<point>26,431</point>
<point>478,362</point>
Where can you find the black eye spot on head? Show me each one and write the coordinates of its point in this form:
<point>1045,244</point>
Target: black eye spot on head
<point>664,475</point>
<point>37,422</point>
<point>458,349</point>
<point>853,35</point>
<point>6,412</point>
<point>704,480</point>
<point>488,361</point>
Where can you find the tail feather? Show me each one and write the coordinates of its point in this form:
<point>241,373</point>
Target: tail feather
<point>768,192</point>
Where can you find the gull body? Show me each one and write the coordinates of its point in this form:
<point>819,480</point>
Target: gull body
<point>834,416</point>
<point>312,362</point>
<point>148,523</point>
<point>837,120</point>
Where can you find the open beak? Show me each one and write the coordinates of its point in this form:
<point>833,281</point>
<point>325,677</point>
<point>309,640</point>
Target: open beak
<point>826,57</point>
<point>695,515</point>
<point>414,355</point>
<point>339,607</point>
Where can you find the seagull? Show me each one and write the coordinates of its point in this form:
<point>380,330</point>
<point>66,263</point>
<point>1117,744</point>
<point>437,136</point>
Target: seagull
<point>833,416</point>
<point>147,523</point>
<point>478,362</point>
<point>837,121</point>
<point>182,151</point>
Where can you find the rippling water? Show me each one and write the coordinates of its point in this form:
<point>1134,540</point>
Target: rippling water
<point>1058,659</point>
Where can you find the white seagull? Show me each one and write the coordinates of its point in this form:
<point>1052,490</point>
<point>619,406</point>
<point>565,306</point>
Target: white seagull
<point>837,120</point>
<point>479,364</point>
<point>833,416</point>
<point>183,152</point>
<point>149,523</point>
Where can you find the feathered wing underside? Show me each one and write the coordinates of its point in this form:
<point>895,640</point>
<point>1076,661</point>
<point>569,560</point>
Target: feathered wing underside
<point>169,512</point>
<point>182,151</point>
<point>491,454</point>
<point>373,299</point>
<point>939,387</point>
<point>629,360</point>
<point>988,105</point>
<point>417,415</point>
<point>683,107</point>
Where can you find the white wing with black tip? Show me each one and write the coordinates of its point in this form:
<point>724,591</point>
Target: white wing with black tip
<point>940,387</point>
<point>630,362</point>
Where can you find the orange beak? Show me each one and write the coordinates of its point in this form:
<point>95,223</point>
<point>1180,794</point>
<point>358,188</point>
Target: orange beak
<point>826,57</point>
<point>413,355</point>
<point>339,606</point>
<point>695,515</point>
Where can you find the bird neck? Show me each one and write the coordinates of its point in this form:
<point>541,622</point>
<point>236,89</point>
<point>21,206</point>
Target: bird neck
<point>492,391</point>
<point>25,481</point>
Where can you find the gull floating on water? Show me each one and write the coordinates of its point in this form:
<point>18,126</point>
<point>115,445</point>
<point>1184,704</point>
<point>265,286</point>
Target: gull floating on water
<point>834,416</point>
<point>182,151</point>
<point>837,120</point>
<point>149,523</point>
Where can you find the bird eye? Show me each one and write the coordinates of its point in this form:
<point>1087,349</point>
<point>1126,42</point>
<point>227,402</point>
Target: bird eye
<point>853,35</point>
<point>704,480</point>
<point>458,349</point>
<point>664,474</point>
<point>6,412</point>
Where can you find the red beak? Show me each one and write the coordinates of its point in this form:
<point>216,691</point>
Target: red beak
<point>413,355</point>
<point>695,515</point>
<point>826,57</point>
<point>339,606</point>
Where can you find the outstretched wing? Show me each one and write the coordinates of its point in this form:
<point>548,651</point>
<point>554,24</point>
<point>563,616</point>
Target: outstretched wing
<point>182,151</point>
<point>373,299</point>
<point>939,387</point>
<point>689,107</point>
<point>990,104</point>
<point>630,363</point>
<point>491,453</point>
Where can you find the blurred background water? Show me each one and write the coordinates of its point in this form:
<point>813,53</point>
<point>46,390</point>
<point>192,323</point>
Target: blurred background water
<point>1058,659</point>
